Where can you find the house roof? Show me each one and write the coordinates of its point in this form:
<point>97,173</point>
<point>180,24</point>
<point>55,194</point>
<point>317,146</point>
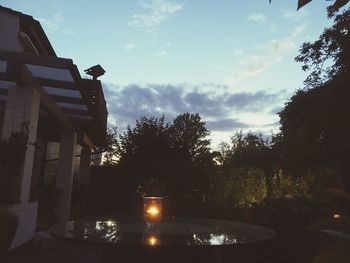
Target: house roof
<point>34,30</point>
<point>75,102</point>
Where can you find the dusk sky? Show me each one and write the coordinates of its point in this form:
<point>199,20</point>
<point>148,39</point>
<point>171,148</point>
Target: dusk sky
<point>232,61</point>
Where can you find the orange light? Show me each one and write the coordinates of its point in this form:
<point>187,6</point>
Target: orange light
<point>153,211</point>
<point>152,241</point>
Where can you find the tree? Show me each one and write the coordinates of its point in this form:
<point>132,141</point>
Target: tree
<point>250,151</point>
<point>110,149</point>
<point>329,56</point>
<point>168,154</point>
<point>189,135</point>
<point>316,121</point>
<point>315,125</point>
<point>246,150</point>
<point>145,144</point>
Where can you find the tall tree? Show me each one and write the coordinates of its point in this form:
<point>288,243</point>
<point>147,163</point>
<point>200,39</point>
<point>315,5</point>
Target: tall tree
<point>168,154</point>
<point>316,121</point>
<point>189,135</point>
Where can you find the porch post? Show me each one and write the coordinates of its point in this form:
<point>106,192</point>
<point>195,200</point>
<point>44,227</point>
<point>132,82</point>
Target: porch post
<point>64,179</point>
<point>22,106</point>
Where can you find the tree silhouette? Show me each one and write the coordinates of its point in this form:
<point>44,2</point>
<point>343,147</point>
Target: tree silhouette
<point>316,121</point>
<point>164,153</point>
<point>329,56</point>
<point>189,135</point>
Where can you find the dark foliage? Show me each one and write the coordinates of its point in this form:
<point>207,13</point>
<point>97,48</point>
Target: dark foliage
<point>329,56</point>
<point>172,157</point>
<point>315,122</point>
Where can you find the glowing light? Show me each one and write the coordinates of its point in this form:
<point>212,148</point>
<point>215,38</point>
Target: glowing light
<point>153,211</point>
<point>152,241</point>
<point>336,216</point>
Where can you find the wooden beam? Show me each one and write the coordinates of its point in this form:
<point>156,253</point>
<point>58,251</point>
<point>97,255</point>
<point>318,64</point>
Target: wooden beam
<point>27,77</point>
<point>65,99</point>
<point>57,84</point>
<point>25,58</point>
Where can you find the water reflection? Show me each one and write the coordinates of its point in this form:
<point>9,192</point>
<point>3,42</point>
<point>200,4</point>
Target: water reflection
<point>107,231</point>
<point>213,239</point>
<point>174,232</point>
<point>152,240</point>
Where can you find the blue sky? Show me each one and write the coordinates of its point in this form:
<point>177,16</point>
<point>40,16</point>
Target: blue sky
<point>230,61</point>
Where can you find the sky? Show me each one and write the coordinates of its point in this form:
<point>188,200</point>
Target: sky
<point>230,61</point>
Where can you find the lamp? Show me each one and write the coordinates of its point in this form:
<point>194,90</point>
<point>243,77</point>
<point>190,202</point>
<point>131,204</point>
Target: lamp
<point>152,209</point>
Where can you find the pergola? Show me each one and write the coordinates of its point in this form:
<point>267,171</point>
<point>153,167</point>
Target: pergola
<point>73,101</point>
<point>48,93</point>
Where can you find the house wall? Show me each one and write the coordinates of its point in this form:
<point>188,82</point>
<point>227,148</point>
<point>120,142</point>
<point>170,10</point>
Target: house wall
<point>9,31</point>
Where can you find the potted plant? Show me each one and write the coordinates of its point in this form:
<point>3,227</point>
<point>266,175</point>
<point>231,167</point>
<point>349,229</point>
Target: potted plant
<point>12,153</point>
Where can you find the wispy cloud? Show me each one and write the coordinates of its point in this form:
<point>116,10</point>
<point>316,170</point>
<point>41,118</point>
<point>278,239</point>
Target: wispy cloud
<point>157,11</point>
<point>53,23</point>
<point>272,52</point>
<point>295,15</point>
<point>129,47</point>
<point>229,124</point>
<point>164,49</point>
<point>162,53</point>
<point>259,18</point>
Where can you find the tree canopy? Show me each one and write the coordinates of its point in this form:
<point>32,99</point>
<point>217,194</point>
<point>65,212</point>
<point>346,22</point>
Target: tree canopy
<point>329,56</point>
<point>316,120</point>
<point>159,152</point>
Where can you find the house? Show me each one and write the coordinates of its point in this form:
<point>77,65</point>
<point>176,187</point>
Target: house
<point>65,113</point>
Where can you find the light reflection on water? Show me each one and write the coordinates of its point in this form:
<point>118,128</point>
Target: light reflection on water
<point>214,239</point>
<point>109,231</point>
<point>174,232</point>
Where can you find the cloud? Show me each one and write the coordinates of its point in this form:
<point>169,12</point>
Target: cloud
<point>272,52</point>
<point>129,47</point>
<point>128,103</point>
<point>162,53</point>
<point>251,102</point>
<point>157,12</point>
<point>53,23</point>
<point>277,109</point>
<point>229,124</point>
<point>259,18</point>
<point>164,49</point>
<point>295,15</point>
